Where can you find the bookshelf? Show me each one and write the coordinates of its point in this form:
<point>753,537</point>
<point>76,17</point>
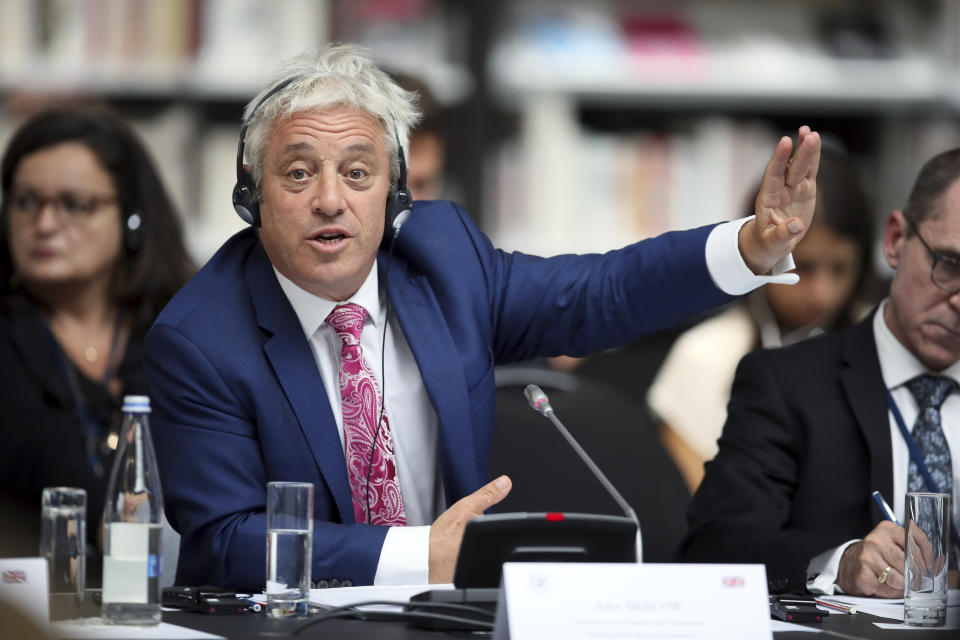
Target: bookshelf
<point>616,101</point>
<point>181,72</point>
<point>574,125</point>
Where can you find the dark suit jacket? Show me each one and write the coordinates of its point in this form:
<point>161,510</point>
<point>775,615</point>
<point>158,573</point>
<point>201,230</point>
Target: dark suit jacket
<point>238,399</point>
<point>807,440</point>
<point>45,443</point>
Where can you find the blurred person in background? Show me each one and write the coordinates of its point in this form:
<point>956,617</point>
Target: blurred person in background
<point>90,251</point>
<point>834,264</point>
<point>427,154</point>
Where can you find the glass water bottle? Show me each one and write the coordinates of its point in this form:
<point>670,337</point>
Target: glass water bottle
<point>132,524</point>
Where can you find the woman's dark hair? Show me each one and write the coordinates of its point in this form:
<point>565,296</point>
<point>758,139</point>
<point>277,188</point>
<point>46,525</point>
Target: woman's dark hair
<point>843,206</point>
<point>145,276</point>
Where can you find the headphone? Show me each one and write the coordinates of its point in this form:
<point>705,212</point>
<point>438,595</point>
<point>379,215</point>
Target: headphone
<point>247,206</point>
<point>132,227</point>
<point>133,231</point>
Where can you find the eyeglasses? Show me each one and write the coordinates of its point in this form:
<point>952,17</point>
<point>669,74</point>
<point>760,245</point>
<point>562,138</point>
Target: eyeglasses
<point>71,205</point>
<point>945,271</point>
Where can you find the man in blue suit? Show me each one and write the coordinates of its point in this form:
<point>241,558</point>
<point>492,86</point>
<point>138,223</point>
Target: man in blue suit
<point>316,346</point>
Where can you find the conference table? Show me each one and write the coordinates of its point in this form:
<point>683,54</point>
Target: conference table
<point>257,626</point>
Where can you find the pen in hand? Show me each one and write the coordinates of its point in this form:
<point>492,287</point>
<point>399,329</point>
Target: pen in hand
<point>885,508</point>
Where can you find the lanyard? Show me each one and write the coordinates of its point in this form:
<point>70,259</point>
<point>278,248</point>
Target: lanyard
<point>920,462</point>
<point>91,427</point>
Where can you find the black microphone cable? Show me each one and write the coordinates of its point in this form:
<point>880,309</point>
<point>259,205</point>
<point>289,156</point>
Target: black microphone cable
<point>433,611</point>
<point>396,223</point>
<point>383,370</point>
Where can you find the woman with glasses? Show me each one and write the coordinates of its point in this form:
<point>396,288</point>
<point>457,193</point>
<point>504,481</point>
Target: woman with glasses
<point>90,251</point>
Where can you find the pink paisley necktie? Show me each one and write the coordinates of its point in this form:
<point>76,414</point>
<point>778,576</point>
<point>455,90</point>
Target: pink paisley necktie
<point>361,401</point>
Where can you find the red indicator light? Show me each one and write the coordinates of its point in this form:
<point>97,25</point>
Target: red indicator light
<point>554,517</point>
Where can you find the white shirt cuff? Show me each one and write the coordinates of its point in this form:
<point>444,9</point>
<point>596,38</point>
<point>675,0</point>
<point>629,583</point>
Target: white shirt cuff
<point>404,557</point>
<point>727,268</point>
<point>823,569</point>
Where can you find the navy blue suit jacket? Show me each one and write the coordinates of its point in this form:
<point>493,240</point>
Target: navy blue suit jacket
<point>238,399</point>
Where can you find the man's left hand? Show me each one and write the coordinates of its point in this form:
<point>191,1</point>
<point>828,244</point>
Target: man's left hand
<point>446,532</point>
<point>784,206</point>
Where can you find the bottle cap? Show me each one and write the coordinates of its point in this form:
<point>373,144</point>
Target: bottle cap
<point>136,404</point>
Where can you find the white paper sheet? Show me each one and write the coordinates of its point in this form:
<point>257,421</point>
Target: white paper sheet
<point>892,609</point>
<point>780,625</point>
<point>882,608</point>
<point>953,599</point>
<point>93,628</point>
<point>953,620</point>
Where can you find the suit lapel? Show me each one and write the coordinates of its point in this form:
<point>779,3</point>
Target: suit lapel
<point>863,384</point>
<point>292,360</point>
<point>426,331</point>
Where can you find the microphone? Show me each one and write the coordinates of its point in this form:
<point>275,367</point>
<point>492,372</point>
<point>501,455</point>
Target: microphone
<point>541,404</point>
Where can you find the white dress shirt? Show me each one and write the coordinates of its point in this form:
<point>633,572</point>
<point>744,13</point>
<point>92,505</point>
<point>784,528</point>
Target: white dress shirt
<point>413,421</point>
<point>897,366</point>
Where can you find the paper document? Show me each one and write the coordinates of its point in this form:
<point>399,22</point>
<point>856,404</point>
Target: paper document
<point>778,626</point>
<point>83,628</point>
<point>893,609</point>
<point>953,622</point>
<point>880,607</point>
<point>953,599</point>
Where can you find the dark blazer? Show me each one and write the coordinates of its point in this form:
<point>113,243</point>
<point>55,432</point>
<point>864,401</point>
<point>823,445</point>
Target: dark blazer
<point>45,440</point>
<point>807,440</point>
<point>238,399</point>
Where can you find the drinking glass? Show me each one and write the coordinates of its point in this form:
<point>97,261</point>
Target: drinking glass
<point>927,547</point>
<point>63,539</point>
<point>289,547</point>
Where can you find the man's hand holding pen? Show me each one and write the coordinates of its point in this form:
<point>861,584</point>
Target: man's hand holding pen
<point>874,565</point>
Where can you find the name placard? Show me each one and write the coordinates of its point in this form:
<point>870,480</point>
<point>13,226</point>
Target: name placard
<point>24,589</point>
<point>599,600</point>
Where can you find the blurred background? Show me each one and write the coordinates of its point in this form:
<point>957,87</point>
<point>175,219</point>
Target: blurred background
<point>569,126</point>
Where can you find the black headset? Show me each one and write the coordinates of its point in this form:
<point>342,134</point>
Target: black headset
<point>247,206</point>
<point>132,226</point>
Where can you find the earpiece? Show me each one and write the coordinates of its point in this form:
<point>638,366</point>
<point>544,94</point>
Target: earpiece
<point>133,231</point>
<point>398,202</point>
<point>245,202</point>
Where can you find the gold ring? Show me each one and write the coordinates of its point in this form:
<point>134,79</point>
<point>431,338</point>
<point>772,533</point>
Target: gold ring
<point>883,574</point>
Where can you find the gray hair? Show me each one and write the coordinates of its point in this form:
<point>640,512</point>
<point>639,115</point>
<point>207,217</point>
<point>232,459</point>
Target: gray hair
<point>340,75</point>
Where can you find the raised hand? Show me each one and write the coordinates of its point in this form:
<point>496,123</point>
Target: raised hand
<point>785,203</point>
